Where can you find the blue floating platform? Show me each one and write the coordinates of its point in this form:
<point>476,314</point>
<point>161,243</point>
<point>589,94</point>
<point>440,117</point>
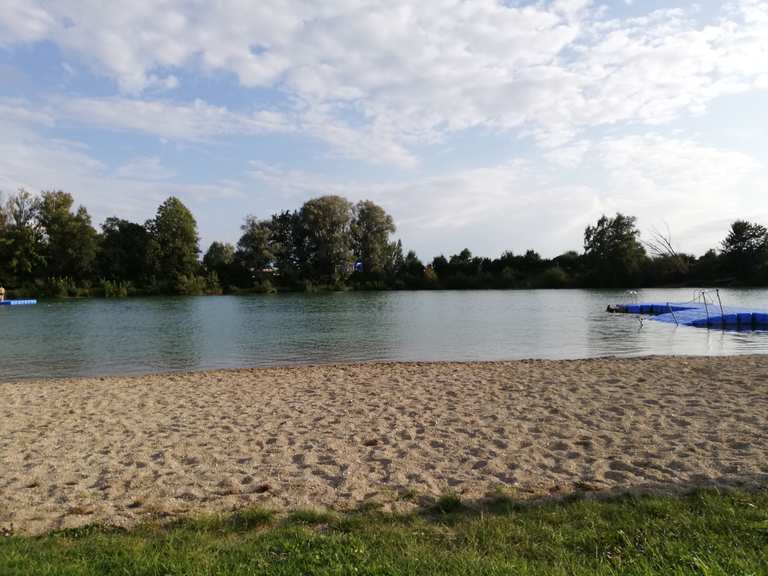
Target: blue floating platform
<point>699,314</point>
<point>17,302</point>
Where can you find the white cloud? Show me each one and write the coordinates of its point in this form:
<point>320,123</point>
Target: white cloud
<point>518,204</point>
<point>23,21</point>
<point>195,121</point>
<point>677,182</point>
<point>414,72</point>
<point>378,81</point>
<point>19,111</point>
<point>144,168</point>
<point>694,188</point>
<point>133,191</point>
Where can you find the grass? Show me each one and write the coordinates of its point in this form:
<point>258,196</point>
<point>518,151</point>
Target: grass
<point>707,533</point>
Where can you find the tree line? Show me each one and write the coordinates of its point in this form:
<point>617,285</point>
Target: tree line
<point>50,248</point>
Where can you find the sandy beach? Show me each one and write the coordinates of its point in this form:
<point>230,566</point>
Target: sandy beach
<point>115,450</point>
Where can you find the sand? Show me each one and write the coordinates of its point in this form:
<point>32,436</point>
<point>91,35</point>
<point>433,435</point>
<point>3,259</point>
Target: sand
<point>118,450</point>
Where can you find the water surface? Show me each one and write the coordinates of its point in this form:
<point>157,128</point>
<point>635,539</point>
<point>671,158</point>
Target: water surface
<point>140,335</point>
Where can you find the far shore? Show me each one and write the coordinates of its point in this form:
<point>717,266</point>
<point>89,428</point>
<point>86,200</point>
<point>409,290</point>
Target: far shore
<point>117,450</point>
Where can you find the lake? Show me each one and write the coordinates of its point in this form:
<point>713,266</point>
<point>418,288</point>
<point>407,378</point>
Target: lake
<point>140,335</point>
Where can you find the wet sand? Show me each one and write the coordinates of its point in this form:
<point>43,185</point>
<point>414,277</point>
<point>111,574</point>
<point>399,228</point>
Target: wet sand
<point>116,450</point>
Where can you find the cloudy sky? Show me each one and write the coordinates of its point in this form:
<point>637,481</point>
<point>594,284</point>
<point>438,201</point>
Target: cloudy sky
<point>489,124</point>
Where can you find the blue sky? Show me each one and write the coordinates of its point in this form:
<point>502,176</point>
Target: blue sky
<point>482,124</point>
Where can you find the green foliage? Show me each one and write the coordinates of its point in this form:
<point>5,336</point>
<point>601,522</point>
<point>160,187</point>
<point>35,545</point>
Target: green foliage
<point>254,251</point>
<point>173,249</point>
<point>194,285</point>
<point>114,289</point>
<point>327,223</point>
<point>370,231</point>
<point>123,253</point>
<point>553,277</point>
<point>49,248</point>
<point>745,251</point>
<point>61,287</point>
<point>23,243</point>
<point>219,261</point>
<point>70,244</point>
<point>448,503</point>
<point>613,252</point>
<point>702,533</point>
<point>288,244</point>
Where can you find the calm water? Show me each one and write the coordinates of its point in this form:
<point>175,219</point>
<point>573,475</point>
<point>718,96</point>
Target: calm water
<point>73,338</point>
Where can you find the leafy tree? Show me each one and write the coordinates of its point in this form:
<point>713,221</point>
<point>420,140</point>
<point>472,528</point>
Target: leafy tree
<point>745,250</point>
<point>70,240</point>
<point>22,247</point>
<point>707,269</point>
<point>5,242</point>
<point>395,258</point>
<point>254,253</point>
<point>411,273</point>
<point>173,248</point>
<point>220,261</point>
<point>613,251</point>
<point>123,254</point>
<point>288,245</point>
<point>440,266</point>
<point>371,228</point>
<point>570,262</point>
<point>327,222</point>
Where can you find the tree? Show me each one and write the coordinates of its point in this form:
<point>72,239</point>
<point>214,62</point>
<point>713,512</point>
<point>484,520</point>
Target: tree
<point>613,252</point>
<point>371,228</point>
<point>288,245</point>
<point>123,254</point>
<point>220,265</point>
<point>327,223</point>
<point>5,242</point>
<point>745,250</point>
<point>411,273</point>
<point>70,240</point>
<point>254,253</point>
<point>395,259</point>
<point>173,247</point>
<point>570,262</point>
<point>22,247</point>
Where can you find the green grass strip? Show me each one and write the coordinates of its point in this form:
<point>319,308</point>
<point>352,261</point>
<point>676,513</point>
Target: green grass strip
<point>707,533</point>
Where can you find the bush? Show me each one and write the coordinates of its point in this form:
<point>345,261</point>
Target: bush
<point>212,284</point>
<point>554,277</point>
<point>191,285</point>
<point>115,289</point>
<point>63,287</point>
<point>264,287</point>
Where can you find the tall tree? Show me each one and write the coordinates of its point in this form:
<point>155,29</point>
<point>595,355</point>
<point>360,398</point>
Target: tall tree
<point>5,242</point>
<point>411,273</point>
<point>254,253</point>
<point>613,252</point>
<point>23,249</point>
<point>287,240</point>
<point>327,222</point>
<point>371,228</point>
<point>220,260</point>
<point>173,247</point>
<point>70,240</point>
<point>745,250</point>
<point>123,254</point>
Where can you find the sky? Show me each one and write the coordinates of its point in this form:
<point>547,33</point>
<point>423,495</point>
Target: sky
<point>486,124</point>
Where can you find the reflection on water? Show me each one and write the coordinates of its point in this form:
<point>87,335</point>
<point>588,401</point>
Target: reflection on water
<point>157,334</point>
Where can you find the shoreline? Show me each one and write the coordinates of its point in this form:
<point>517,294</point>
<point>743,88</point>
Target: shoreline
<point>119,449</point>
<point>289,365</point>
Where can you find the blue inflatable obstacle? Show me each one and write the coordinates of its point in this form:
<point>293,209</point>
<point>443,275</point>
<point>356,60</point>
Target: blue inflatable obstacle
<point>17,302</point>
<point>699,314</point>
